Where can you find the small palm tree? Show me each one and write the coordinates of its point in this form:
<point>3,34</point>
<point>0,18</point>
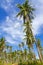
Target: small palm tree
<point>25,53</point>
<point>19,45</point>
<point>2,46</point>
<point>22,44</point>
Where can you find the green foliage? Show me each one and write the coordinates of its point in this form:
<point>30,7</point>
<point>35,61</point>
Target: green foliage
<point>30,63</point>
<point>4,63</point>
<point>1,63</point>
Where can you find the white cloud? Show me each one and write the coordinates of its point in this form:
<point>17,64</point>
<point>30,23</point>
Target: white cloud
<point>9,40</point>
<point>41,1</point>
<point>37,22</point>
<point>7,5</point>
<point>12,29</point>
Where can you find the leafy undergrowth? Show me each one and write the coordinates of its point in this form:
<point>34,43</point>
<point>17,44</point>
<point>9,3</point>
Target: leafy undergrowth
<point>4,63</point>
<point>21,63</point>
<point>30,63</point>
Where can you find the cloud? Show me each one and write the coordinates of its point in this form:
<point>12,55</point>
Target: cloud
<point>37,22</point>
<point>13,30</point>
<point>41,1</point>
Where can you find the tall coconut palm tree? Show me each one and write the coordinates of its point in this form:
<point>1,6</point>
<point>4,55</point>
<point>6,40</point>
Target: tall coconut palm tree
<point>26,11</point>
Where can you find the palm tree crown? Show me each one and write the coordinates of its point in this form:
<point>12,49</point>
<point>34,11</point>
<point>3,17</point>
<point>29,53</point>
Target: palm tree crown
<point>25,10</point>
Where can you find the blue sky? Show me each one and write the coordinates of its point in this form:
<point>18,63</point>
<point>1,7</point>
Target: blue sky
<point>11,27</point>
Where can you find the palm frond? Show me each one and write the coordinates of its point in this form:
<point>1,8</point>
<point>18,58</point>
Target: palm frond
<point>19,6</point>
<point>19,14</point>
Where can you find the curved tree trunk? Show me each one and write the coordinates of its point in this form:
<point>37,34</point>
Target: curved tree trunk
<point>39,53</point>
<point>40,57</point>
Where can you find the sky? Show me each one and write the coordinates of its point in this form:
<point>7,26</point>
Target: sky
<point>11,27</point>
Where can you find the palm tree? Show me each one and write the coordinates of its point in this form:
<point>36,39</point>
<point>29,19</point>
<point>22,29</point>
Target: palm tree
<point>10,47</point>
<point>25,53</point>
<point>39,49</point>
<point>42,52</point>
<point>2,46</point>
<point>26,11</point>
<point>22,44</point>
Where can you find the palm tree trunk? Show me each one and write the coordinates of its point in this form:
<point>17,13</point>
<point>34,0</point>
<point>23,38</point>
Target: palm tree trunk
<point>39,53</point>
<point>40,57</point>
